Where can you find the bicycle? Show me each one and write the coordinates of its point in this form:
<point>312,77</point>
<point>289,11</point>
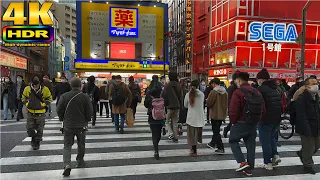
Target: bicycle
<point>286,130</point>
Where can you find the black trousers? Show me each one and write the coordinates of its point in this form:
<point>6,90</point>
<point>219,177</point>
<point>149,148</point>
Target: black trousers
<point>216,137</point>
<point>106,105</point>
<point>94,115</point>
<point>19,105</point>
<point>110,104</point>
<point>156,135</point>
<point>134,105</point>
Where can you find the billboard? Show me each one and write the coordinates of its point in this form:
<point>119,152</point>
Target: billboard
<point>119,50</point>
<point>123,22</point>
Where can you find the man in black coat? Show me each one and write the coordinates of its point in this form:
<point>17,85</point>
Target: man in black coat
<point>61,88</point>
<point>93,91</point>
<point>308,123</point>
<point>294,88</point>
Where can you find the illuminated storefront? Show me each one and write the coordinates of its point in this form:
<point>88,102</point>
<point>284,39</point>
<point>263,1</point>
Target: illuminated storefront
<point>12,63</point>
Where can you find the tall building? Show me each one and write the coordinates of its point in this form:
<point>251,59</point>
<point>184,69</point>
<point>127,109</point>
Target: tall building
<point>66,15</point>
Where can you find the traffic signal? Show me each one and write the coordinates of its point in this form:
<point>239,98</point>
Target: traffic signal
<point>145,64</point>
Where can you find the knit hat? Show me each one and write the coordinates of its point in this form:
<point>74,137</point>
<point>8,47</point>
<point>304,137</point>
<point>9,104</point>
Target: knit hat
<point>263,74</point>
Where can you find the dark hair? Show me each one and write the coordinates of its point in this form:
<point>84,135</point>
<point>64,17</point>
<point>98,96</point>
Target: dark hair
<point>306,82</point>
<point>235,75</point>
<point>113,77</point>
<point>193,92</point>
<point>118,77</point>
<point>244,76</point>
<point>173,76</point>
<point>154,83</point>
<point>215,81</point>
<point>314,76</point>
<point>105,82</point>
<point>91,79</point>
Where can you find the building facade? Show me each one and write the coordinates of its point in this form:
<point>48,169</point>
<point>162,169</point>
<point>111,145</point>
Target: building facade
<point>253,34</point>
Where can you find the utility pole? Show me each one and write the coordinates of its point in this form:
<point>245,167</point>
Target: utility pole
<point>303,34</point>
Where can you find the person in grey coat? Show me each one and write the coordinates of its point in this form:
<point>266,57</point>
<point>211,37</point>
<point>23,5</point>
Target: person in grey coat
<point>75,110</point>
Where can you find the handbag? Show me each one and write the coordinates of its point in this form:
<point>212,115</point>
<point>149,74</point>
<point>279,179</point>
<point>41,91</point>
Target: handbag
<point>129,117</point>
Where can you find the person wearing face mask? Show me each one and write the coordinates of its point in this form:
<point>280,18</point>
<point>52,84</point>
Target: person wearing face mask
<point>8,97</point>
<point>20,85</point>
<point>308,123</point>
<point>61,88</point>
<point>36,97</point>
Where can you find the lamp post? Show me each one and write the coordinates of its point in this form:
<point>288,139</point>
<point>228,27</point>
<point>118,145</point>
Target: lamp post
<point>303,34</point>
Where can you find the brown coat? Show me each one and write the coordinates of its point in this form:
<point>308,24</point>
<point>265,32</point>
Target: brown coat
<point>122,109</point>
<point>218,103</point>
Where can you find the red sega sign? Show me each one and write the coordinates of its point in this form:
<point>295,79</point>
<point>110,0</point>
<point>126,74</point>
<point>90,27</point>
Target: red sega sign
<point>120,50</point>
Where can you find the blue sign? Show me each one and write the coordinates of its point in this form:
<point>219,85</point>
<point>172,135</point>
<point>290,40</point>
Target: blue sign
<point>124,22</point>
<point>66,67</point>
<point>272,32</point>
<point>66,59</point>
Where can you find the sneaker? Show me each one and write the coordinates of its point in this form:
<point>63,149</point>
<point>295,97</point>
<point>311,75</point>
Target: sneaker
<point>117,130</point>
<point>219,151</point>
<point>175,140</point>
<point>66,171</point>
<point>225,132</point>
<point>276,160</point>
<point>164,132</point>
<point>300,156</point>
<point>247,172</point>
<point>266,166</point>
<point>309,170</point>
<point>81,164</point>
<point>212,146</point>
<point>170,137</point>
<point>193,154</point>
<point>107,116</point>
<point>36,145</point>
<point>243,166</point>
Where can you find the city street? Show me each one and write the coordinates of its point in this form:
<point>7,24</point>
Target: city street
<point>129,156</point>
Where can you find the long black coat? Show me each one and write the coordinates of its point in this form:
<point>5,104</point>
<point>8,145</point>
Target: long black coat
<point>308,115</point>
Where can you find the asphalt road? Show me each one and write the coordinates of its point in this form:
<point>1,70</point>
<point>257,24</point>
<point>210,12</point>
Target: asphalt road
<point>129,156</point>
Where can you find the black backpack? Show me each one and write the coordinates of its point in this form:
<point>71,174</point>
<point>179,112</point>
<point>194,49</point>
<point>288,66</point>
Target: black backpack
<point>253,106</point>
<point>118,97</point>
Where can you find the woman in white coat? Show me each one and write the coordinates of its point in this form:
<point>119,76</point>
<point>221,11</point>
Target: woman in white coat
<point>195,119</point>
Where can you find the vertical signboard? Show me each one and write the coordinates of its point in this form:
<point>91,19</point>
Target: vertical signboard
<point>188,36</point>
<point>298,63</point>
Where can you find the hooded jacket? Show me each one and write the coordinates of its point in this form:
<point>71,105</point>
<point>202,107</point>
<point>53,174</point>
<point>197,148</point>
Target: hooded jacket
<point>34,104</point>
<point>172,95</point>
<point>272,96</point>
<point>218,103</point>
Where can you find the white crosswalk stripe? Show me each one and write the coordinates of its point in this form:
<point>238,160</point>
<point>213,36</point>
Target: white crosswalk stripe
<point>130,156</point>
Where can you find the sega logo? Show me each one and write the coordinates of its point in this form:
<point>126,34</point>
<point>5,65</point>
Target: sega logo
<point>272,32</point>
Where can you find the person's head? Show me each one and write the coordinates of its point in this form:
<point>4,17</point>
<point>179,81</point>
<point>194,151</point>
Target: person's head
<point>63,79</point>
<point>243,77</point>
<point>35,80</point>
<point>19,79</point>
<point>7,79</point>
<point>203,82</point>
<point>235,75</point>
<point>215,82</point>
<point>193,92</point>
<point>105,82</point>
<point>118,78</point>
<point>91,79</point>
<point>113,77</point>
<point>263,76</point>
<point>131,79</point>
<point>75,83</point>
<point>283,81</point>
<point>173,76</point>
<point>313,76</point>
<point>299,79</point>
<point>312,85</point>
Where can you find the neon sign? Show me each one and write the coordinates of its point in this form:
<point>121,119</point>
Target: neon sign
<point>123,22</point>
<point>272,32</point>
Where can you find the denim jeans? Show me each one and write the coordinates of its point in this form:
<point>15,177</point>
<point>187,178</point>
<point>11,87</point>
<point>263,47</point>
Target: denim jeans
<point>116,120</point>
<point>6,107</point>
<point>267,135</point>
<point>247,132</point>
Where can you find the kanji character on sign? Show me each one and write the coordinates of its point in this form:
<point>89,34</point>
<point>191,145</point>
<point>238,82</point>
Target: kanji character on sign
<point>124,18</point>
<point>277,47</point>
<point>270,47</point>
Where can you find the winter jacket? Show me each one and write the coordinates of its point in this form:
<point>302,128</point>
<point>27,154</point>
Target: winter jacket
<point>33,103</point>
<point>122,109</point>
<point>79,111</point>
<point>272,96</point>
<point>135,90</point>
<point>230,91</point>
<point>195,116</point>
<point>103,94</point>
<point>10,89</point>
<point>183,110</point>
<point>308,114</point>
<point>218,103</point>
<point>19,89</point>
<point>294,89</point>
<point>172,95</point>
<point>91,88</point>
<point>48,84</point>
<point>148,105</point>
<point>298,93</point>
<point>61,88</point>
<point>112,81</point>
<point>238,102</point>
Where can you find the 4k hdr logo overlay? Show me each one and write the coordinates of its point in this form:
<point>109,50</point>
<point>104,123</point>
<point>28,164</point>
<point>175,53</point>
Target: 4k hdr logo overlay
<point>26,31</point>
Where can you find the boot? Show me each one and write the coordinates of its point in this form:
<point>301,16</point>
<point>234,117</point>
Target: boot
<point>36,145</point>
<point>156,155</point>
<point>121,129</point>
<point>33,142</point>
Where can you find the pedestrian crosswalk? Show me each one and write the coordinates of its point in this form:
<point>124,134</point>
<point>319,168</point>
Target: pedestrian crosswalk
<point>110,155</point>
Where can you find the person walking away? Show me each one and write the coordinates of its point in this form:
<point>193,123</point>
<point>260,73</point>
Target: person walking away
<point>193,101</point>
<point>36,97</point>
<point>218,103</point>
<point>269,126</point>
<point>230,91</point>
<point>61,88</point>
<point>136,95</point>
<point>121,100</point>
<point>112,81</point>
<point>74,110</point>
<point>153,92</point>
<point>8,96</point>
<point>93,92</point>
<point>104,100</point>
<point>183,110</point>
<point>171,96</point>
<point>48,84</point>
<point>20,85</point>
<point>285,85</point>
<point>244,125</point>
<point>308,123</point>
<point>209,88</point>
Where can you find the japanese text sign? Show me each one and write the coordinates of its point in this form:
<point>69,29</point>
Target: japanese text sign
<point>188,35</point>
<point>124,22</point>
<point>10,60</point>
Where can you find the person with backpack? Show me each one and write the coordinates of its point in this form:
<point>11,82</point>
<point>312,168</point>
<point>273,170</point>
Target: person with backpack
<point>245,111</point>
<point>94,94</point>
<point>172,99</point>
<point>112,81</point>
<point>74,110</point>
<point>218,103</point>
<point>104,98</point>
<point>36,97</point>
<point>121,100</point>
<point>270,123</point>
<point>308,123</point>
<point>209,88</point>
<point>136,95</point>
<point>193,101</point>
<point>156,112</point>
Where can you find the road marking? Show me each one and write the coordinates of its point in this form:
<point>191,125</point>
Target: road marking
<point>282,177</point>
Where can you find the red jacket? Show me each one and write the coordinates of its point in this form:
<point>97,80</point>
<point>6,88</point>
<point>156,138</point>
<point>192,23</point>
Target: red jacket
<point>237,104</point>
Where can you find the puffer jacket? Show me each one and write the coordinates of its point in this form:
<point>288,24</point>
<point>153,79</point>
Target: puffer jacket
<point>272,96</point>
<point>36,105</point>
